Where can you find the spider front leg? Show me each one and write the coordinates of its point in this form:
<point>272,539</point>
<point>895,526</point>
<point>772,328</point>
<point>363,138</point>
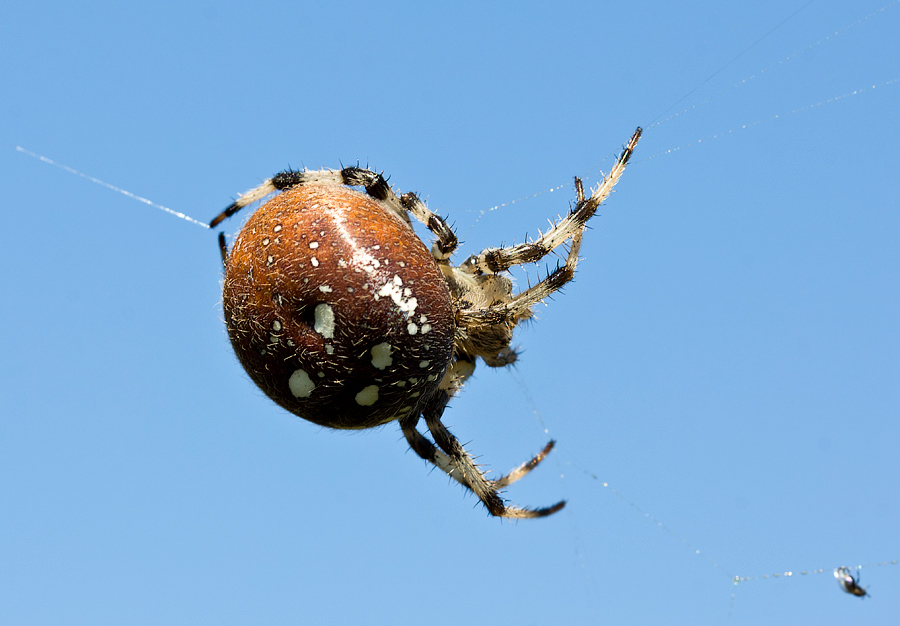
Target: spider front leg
<point>447,242</point>
<point>450,456</point>
<point>495,260</point>
<point>375,185</point>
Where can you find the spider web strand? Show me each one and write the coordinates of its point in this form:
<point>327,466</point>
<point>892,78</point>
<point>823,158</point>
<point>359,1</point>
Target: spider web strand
<point>790,57</point>
<point>792,573</point>
<point>778,116</point>
<point>124,192</point>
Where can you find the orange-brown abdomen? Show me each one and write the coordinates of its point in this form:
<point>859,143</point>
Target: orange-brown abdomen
<point>336,309</point>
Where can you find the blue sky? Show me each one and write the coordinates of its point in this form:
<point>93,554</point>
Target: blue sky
<point>727,359</point>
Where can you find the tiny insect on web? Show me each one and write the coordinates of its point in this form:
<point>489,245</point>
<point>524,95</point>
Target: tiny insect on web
<point>848,582</point>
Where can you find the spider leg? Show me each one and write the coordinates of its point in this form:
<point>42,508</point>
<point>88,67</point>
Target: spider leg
<point>257,193</point>
<point>434,455</point>
<point>495,260</point>
<point>524,468</point>
<point>427,450</point>
<point>463,467</point>
<point>375,185</point>
<point>519,306</point>
<point>446,243</point>
<point>223,248</point>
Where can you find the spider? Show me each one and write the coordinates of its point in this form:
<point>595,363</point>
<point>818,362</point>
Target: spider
<point>848,582</point>
<point>339,313</point>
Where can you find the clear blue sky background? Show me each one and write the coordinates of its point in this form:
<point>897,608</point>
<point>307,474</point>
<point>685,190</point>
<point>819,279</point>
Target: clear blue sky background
<point>728,358</point>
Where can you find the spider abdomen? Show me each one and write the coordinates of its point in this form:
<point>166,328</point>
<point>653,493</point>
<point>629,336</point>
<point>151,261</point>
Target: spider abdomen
<point>336,309</point>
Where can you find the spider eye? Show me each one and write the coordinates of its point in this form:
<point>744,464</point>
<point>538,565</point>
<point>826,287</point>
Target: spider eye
<point>336,309</point>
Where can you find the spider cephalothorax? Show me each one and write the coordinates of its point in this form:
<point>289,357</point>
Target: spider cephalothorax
<point>341,315</point>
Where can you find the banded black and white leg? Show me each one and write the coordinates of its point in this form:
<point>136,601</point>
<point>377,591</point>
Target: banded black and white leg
<point>451,457</point>
<point>495,260</point>
<point>375,185</point>
<point>571,228</point>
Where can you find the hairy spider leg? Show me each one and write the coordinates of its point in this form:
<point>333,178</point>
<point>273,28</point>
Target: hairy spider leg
<point>375,185</point>
<point>451,457</point>
<point>494,260</point>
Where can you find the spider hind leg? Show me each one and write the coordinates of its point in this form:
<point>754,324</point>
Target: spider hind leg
<point>451,457</point>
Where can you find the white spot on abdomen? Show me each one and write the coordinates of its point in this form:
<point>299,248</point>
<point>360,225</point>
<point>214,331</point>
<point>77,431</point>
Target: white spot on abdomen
<point>324,324</point>
<point>300,384</point>
<point>381,355</point>
<point>367,396</point>
<point>401,297</point>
